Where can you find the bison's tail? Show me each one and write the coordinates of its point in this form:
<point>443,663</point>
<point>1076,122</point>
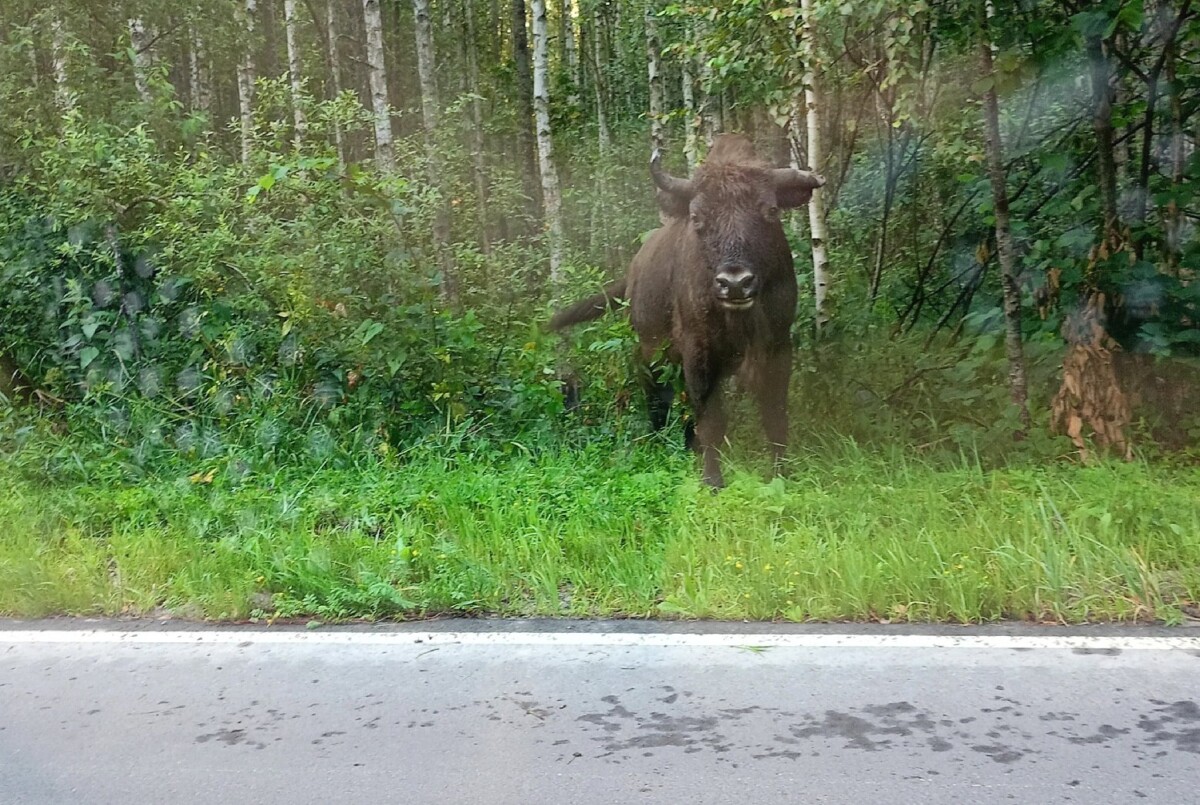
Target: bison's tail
<point>591,308</point>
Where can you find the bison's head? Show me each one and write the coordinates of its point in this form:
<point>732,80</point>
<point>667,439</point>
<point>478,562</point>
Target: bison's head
<point>732,206</point>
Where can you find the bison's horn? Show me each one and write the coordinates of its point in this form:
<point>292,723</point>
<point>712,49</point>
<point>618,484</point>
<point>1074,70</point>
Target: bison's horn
<point>792,179</point>
<point>665,181</point>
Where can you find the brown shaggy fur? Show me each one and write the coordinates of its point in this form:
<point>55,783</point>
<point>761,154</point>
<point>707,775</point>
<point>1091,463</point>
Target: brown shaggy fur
<point>729,216</point>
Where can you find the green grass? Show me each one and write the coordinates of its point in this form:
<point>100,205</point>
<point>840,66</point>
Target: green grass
<point>616,531</point>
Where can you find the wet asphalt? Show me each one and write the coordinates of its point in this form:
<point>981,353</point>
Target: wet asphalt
<point>440,722</point>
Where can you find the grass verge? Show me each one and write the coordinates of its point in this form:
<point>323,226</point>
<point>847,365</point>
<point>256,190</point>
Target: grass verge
<point>622,531</point>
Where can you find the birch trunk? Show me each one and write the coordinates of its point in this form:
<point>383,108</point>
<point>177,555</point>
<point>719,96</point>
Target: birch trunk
<point>1004,244</point>
<point>377,73</point>
<point>710,109</point>
<point>478,152</point>
<point>426,72</point>
<point>691,123</point>
<point>297,83</point>
<point>201,90</point>
<point>335,77</point>
<point>1102,126</point>
<point>525,131</point>
<point>605,138</point>
<point>815,154</point>
<point>570,50</point>
<point>541,105</point>
<point>58,46</point>
<point>139,50</point>
<point>246,76</point>
<point>654,76</point>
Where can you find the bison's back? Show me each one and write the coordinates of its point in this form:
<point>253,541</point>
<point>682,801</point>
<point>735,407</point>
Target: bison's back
<point>656,276</point>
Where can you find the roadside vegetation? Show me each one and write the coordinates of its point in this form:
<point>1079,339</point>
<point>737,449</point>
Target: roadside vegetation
<point>274,278</point>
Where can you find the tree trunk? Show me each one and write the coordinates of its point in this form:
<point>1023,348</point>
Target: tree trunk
<point>541,104</point>
<point>335,77</point>
<point>426,71</point>
<point>1004,244</point>
<point>377,72</point>
<point>139,49</point>
<point>525,132</point>
<point>246,76</point>
<point>198,69</point>
<point>815,155</point>
<point>58,46</point>
<point>598,82</point>
<point>1173,219</point>
<point>710,110</point>
<point>691,123</point>
<point>478,152</point>
<point>297,82</point>
<point>1102,103</point>
<point>569,49</point>
<point>654,76</point>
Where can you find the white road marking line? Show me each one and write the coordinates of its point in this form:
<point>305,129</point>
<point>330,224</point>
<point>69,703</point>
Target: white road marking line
<point>618,639</point>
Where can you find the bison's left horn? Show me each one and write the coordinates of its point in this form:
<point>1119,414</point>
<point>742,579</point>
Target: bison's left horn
<point>792,179</point>
<point>665,181</point>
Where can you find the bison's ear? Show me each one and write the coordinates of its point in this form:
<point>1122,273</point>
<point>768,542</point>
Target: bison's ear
<point>794,188</point>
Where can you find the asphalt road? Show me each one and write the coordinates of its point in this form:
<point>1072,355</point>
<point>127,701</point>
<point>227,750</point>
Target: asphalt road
<point>540,716</point>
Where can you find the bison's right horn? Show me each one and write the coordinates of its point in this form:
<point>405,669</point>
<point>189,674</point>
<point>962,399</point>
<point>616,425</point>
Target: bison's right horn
<point>665,181</point>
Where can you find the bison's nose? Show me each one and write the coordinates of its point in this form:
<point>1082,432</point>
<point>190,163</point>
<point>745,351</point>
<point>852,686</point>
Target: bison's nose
<point>736,283</point>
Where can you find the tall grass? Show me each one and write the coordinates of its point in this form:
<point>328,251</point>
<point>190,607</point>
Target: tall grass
<point>613,529</point>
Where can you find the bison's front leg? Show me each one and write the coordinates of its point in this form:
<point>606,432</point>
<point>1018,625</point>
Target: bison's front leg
<point>771,391</point>
<point>704,393</point>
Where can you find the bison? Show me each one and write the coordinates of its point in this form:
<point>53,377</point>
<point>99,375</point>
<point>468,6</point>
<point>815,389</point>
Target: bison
<point>714,290</point>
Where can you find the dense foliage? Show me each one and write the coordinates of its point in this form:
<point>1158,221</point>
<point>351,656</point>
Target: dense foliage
<point>177,282</point>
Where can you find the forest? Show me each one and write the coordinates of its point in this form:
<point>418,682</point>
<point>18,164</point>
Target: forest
<point>275,277</point>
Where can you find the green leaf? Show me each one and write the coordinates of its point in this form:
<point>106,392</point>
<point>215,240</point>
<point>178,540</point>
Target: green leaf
<point>87,355</point>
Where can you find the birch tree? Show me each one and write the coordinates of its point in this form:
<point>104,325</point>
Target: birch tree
<point>525,125</point>
<point>569,49</point>
<point>377,76</point>
<point>478,146</point>
<point>654,75</point>
<point>246,78</point>
<point>297,82</point>
<point>1004,243</point>
<point>691,122</point>
<point>198,73</point>
<point>598,81</point>
<point>139,52</point>
<point>63,95</point>
<point>552,201</point>
<point>815,154</point>
<point>426,66</point>
<point>335,77</point>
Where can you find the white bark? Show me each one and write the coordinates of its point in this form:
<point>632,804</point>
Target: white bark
<point>691,123</point>
<point>541,110</point>
<point>711,107</point>
<point>297,82</point>
<point>201,91</point>
<point>426,67</point>
<point>58,46</point>
<point>816,159</point>
<point>570,50</point>
<point>246,76</point>
<point>335,74</point>
<point>379,90</point>
<point>598,82</point>
<point>479,168</point>
<point>654,75</point>
<point>139,49</point>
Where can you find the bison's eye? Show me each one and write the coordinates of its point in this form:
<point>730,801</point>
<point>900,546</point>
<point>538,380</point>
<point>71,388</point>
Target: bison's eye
<point>771,212</point>
<point>697,221</point>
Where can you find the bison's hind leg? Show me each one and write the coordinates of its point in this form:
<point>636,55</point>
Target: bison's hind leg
<point>660,395</point>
